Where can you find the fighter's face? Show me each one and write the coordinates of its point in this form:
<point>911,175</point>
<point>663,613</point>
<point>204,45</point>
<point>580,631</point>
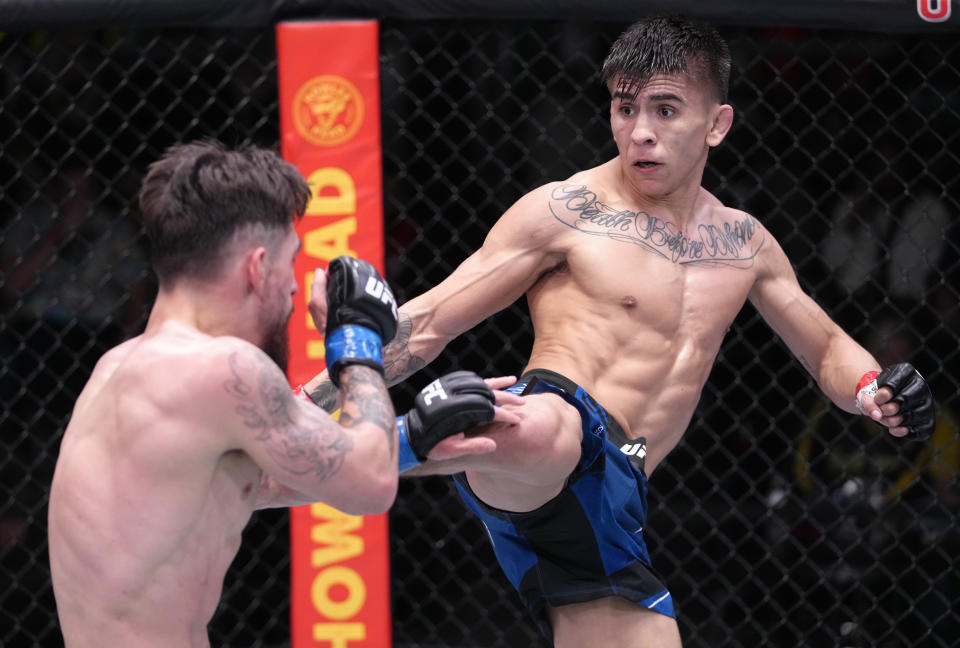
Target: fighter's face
<point>282,286</point>
<point>663,130</point>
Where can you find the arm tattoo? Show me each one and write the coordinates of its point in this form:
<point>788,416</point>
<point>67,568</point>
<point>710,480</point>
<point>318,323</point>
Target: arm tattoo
<point>365,400</point>
<point>734,243</point>
<point>313,444</point>
<point>325,396</point>
<point>398,362</point>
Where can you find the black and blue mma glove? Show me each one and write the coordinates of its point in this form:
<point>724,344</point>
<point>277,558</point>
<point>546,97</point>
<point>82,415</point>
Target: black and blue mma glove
<point>361,316</point>
<point>449,405</point>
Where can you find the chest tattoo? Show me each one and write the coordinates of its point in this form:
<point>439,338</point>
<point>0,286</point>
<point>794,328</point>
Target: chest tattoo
<point>733,243</point>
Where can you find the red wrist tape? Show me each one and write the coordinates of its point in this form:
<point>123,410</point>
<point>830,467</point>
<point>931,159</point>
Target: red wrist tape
<point>868,378</point>
<point>299,392</point>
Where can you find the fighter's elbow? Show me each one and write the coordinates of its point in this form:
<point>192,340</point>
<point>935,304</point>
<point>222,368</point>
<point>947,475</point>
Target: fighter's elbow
<point>375,483</point>
<point>374,496</point>
<point>384,496</point>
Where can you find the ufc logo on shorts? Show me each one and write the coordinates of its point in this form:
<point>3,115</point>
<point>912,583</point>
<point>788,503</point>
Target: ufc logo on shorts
<point>934,10</point>
<point>631,449</point>
<point>433,390</point>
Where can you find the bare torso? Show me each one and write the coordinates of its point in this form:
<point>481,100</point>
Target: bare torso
<point>146,507</point>
<point>636,311</point>
<point>633,274</point>
<point>630,302</point>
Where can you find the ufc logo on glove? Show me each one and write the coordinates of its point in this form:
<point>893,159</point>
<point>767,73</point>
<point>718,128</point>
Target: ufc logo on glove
<point>433,390</point>
<point>378,290</point>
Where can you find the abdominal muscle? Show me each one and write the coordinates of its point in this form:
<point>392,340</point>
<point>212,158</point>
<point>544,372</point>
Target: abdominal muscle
<point>647,382</point>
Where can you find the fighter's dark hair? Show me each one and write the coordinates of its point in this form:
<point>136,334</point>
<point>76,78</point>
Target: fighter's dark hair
<point>668,45</point>
<point>197,197</point>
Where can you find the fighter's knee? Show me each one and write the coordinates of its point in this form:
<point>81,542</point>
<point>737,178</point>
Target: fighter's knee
<point>548,436</point>
<point>533,458</point>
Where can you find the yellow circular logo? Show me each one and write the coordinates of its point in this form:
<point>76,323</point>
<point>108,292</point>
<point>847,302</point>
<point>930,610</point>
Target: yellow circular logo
<point>327,110</point>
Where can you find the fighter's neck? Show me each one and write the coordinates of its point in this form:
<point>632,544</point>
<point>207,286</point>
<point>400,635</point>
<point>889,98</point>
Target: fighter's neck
<point>205,312</point>
<point>679,206</point>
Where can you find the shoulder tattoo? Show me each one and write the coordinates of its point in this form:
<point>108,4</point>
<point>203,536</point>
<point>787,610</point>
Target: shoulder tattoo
<point>735,242</point>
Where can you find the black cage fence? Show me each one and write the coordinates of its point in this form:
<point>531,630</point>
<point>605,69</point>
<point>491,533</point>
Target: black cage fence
<point>778,521</point>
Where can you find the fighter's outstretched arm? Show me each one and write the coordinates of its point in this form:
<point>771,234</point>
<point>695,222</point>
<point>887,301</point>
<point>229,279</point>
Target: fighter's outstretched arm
<point>842,368</point>
<point>517,251</point>
<point>303,448</point>
<point>831,356</point>
<point>304,455</point>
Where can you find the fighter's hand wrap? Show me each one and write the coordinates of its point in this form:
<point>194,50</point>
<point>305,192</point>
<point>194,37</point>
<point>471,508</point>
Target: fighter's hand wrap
<point>866,387</point>
<point>449,405</point>
<point>361,316</point>
<point>910,392</point>
<point>301,393</point>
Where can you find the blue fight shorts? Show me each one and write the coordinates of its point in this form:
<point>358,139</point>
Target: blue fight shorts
<point>587,542</point>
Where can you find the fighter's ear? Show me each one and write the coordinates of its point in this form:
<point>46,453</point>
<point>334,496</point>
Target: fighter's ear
<point>255,269</point>
<point>722,121</point>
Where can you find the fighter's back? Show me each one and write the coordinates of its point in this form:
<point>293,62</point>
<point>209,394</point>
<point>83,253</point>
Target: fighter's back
<point>143,473</point>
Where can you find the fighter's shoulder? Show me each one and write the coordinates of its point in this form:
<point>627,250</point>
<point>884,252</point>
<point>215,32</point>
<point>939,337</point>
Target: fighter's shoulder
<point>197,387</point>
<point>536,210</point>
<point>585,181</point>
<point>528,223</point>
<point>738,236</point>
<point>732,218</point>
<point>718,208</point>
<point>179,369</point>
<point>115,358</point>
<point>225,357</point>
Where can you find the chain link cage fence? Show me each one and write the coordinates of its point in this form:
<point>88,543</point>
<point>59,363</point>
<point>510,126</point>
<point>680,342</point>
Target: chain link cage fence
<point>778,521</point>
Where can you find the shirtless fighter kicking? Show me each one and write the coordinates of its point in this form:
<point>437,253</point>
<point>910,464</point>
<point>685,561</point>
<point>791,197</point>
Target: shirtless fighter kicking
<point>633,273</point>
